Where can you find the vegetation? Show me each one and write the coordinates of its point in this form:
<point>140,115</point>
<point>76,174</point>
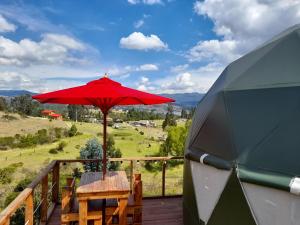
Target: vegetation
<point>41,137</point>
<point>3,104</point>
<point>175,142</point>
<point>170,119</point>
<point>6,173</point>
<point>24,105</point>
<point>126,140</point>
<point>77,112</point>
<point>135,114</point>
<point>92,150</point>
<point>113,152</point>
<point>73,131</point>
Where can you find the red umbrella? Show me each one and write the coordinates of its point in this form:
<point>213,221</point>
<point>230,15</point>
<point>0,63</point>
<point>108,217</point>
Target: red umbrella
<point>103,93</point>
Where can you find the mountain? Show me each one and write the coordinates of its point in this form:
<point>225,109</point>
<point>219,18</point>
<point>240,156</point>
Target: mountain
<point>186,100</point>
<point>14,93</point>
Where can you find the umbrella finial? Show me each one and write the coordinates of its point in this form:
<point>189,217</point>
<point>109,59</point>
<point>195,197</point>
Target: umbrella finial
<point>106,75</point>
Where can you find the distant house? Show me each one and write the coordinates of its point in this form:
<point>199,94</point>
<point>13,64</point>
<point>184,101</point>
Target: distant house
<point>56,116</point>
<point>51,114</point>
<point>47,112</point>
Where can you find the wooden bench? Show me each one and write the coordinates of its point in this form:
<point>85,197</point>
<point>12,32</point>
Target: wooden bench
<point>134,209</point>
<point>70,209</point>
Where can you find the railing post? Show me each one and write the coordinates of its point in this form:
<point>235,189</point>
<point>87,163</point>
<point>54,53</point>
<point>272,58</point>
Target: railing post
<point>131,174</point>
<point>29,209</point>
<point>44,206</point>
<point>164,178</point>
<point>7,222</point>
<point>55,183</point>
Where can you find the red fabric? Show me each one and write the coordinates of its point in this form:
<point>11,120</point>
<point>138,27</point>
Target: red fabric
<point>46,111</point>
<point>55,115</point>
<point>104,93</point>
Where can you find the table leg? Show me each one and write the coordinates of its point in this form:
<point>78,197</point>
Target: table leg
<point>82,212</point>
<point>123,211</point>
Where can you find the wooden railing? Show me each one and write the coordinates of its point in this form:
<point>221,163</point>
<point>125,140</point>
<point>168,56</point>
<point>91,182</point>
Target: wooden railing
<point>27,198</point>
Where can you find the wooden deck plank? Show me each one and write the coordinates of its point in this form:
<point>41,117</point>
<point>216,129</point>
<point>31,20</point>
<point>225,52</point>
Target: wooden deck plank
<point>167,211</point>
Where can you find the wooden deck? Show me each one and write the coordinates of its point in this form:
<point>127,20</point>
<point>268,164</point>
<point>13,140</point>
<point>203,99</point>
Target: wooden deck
<point>167,211</point>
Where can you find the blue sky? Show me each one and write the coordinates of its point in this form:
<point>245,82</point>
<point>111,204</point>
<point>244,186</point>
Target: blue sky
<point>154,45</point>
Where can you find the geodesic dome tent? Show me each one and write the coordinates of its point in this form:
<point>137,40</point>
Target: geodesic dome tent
<point>242,157</point>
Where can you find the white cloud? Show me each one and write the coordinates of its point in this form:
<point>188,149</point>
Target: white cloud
<point>133,2</point>
<point>242,25</point>
<point>138,41</point>
<point>52,49</point>
<point>144,84</point>
<point>5,26</point>
<point>147,67</point>
<point>182,82</point>
<point>144,80</point>
<point>138,24</point>
<point>14,80</point>
<point>179,68</point>
<point>214,50</point>
<point>152,2</point>
<point>198,79</point>
<point>146,2</point>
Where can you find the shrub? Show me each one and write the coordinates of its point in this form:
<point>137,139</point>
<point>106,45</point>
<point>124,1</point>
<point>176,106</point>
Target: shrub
<point>53,151</point>
<point>61,146</point>
<point>141,132</point>
<point>92,150</point>
<point>73,131</point>
<point>58,132</point>
<point>6,173</point>
<point>9,117</point>
<point>42,136</point>
<point>22,185</point>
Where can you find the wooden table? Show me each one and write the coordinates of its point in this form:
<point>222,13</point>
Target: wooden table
<point>115,186</point>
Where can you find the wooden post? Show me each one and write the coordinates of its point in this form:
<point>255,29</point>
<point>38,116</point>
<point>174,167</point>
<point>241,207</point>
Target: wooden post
<point>7,222</point>
<point>104,144</point>
<point>44,206</point>
<point>82,212</point>
<point>55,183</point>
<point>164,178</point>
<point>131,175</point>
<point>122,211</point>
<point>29,209</point>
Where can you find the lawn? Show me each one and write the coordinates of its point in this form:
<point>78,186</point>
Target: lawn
<point>132,141</point>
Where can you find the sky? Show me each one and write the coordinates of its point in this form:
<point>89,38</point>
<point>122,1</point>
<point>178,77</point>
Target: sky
<point>159,46</point>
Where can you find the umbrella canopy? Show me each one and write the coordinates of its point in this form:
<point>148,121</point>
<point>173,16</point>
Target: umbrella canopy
<point>103,93</point>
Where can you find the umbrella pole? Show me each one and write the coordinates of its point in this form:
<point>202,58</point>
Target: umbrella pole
<point>104,144</point>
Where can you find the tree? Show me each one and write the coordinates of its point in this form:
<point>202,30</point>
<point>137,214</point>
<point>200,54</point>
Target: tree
<point>77,112</point>
<point>175,142</point>
<point>170,119</point>
<point>113,152</point>
<point>3,104</point>
<point>184,114</point>
<point>25,105</point>
<point>73,131</point>
<point>92,150</point>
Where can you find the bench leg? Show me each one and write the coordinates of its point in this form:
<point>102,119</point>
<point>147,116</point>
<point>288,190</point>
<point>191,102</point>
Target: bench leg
<point>97,222</point>
<point>122,211</point>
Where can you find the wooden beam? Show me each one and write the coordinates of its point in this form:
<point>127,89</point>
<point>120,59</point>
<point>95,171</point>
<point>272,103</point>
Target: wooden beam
<point>44,206</point>
<point>131,175</point>
<point>14,205</point>
<point>55,184</point>
<point>82,212</point>
<point>164,165</point>
<point>29,210</point>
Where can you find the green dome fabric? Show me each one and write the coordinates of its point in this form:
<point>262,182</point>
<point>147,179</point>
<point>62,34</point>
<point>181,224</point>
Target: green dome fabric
<point>250,118</point>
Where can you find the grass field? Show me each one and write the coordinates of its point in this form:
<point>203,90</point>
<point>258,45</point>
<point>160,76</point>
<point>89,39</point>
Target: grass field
<point>127,138</point>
